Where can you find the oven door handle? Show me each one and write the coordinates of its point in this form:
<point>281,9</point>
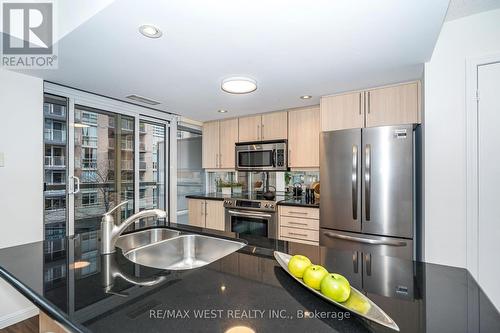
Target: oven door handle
<point>252,214</point>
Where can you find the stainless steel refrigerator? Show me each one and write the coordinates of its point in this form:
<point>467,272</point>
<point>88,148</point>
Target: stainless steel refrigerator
<point>369,189</point>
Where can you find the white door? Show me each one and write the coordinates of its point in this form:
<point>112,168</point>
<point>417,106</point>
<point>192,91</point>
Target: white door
<point>489,180</point>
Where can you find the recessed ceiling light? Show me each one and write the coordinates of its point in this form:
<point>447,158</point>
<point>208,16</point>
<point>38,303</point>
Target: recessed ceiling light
<point>239,85</point>
<point>222,111</point>
<point>150,31</point>
<point>306,97</point>
<point>80,125</point>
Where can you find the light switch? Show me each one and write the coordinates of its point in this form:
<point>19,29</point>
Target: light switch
<point>2,161</point>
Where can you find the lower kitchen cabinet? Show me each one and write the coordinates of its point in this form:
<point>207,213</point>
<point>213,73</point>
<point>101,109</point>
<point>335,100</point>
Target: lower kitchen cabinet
<point>214,214</point>
<point>206,213</point>
<point>299,224</point>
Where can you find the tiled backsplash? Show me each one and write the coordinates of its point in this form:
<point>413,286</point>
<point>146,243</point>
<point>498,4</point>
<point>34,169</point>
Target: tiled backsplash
<point>253,181</point>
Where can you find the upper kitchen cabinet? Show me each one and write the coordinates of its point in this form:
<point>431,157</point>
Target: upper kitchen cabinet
<point>219,139</point>
<point>342,111</point>
<point>393,105</point>
<point>228,136</point>
<point>303,137</point>
<point>264,127</point>
<point>210,145</point>
<point>250,128</point>
<point>274,126</point>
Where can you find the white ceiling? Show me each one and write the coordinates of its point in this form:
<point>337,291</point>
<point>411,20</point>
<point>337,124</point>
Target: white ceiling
<point>290,47</point>
<point>462,8</point>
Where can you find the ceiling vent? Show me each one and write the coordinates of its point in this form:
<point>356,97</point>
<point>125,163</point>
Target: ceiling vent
<point>142,99</point>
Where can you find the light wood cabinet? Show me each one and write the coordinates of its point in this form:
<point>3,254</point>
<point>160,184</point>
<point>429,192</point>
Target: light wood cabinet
<point>299,224</point>
<point>214,218</point>
<point>206,213</point>
<point>264,127</point>
<point>303,137</point>
<point>218,141</point>
<point>228,136</point>
<point>274,126</point>
<point>342,111</point>
<point>249,128</point>
<point>393,105</point>
<point>196,213</point>
<point>49,325</point>
<point>210,145</point>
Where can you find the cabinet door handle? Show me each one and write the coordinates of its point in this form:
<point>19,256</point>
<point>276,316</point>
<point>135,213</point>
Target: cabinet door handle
<point>206,213</point>
<point>220,160</point>
<point>368,102</point>
<point>258,131</point>
<point>262,132</point>
<point>202,208</point>
<point>360,103</point>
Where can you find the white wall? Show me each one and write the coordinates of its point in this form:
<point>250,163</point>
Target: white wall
<point>21,179</point>
<point>445,133</point>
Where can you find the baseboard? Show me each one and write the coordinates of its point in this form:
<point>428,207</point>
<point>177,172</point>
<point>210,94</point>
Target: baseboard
<point>20,315</point>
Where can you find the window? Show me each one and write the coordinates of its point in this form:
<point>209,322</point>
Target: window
<point>89,199</point>
<point>89,118</point>
<point>89,158</point>
<point>89,176</point>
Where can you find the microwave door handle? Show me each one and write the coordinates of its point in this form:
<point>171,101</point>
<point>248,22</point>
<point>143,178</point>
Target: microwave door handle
<point>273,162</point>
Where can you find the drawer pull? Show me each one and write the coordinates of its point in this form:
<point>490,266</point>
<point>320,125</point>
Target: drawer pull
<point>302,213</point>
<point>296,234</point>
<point>298,223</point>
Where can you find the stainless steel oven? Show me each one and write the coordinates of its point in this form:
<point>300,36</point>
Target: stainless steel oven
<point>261,156</point>
<point>252,217</point>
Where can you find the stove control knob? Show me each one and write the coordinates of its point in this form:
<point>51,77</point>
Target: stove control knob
<point>266,205</point>
<point>271,206</point>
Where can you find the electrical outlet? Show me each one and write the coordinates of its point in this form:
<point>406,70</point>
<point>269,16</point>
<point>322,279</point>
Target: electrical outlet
<point>2,161</point>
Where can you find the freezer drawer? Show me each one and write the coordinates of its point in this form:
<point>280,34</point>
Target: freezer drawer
<point>376,245</point>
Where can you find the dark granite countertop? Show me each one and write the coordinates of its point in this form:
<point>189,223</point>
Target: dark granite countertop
<point>246,288</point>
<point>281,198</point>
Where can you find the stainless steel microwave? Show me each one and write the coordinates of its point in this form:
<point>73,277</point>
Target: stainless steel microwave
<point>261,156</point>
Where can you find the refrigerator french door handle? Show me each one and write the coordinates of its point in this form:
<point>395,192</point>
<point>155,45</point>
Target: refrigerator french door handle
<point>365,240</point>
<point>368,261</point>
<point>354,180</point>
<point>355,262</point>
<point>368,176</point>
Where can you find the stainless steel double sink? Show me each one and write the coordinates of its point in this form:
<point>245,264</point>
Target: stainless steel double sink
<point>174,250</point>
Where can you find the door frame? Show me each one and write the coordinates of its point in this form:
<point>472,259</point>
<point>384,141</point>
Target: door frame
<point>472,167</point>
<point>79,97</point>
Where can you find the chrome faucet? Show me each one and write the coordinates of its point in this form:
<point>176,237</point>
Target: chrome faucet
<point>111,232</point>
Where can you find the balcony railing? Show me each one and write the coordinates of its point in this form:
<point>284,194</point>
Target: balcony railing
<point>54,161</point>
<point>125,165</point>
<point>89,141</point>
<point>54,110</point>
<point>127,145</point>
<point>54,135</point>
<point>89,163</point>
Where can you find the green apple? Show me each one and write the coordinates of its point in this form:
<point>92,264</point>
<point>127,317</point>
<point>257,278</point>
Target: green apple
<point>313,276</point>
<point>336,287</point>
<point>356,303</point>
<point>298,264</point>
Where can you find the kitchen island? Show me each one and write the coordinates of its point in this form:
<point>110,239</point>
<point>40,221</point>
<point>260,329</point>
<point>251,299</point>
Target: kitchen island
<point>65,279</point>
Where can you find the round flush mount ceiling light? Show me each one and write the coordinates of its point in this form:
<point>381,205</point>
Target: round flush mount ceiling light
<point>239,85</point>
<point>150,31</point>
<point>306,97</point>
<point>222,111</point>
